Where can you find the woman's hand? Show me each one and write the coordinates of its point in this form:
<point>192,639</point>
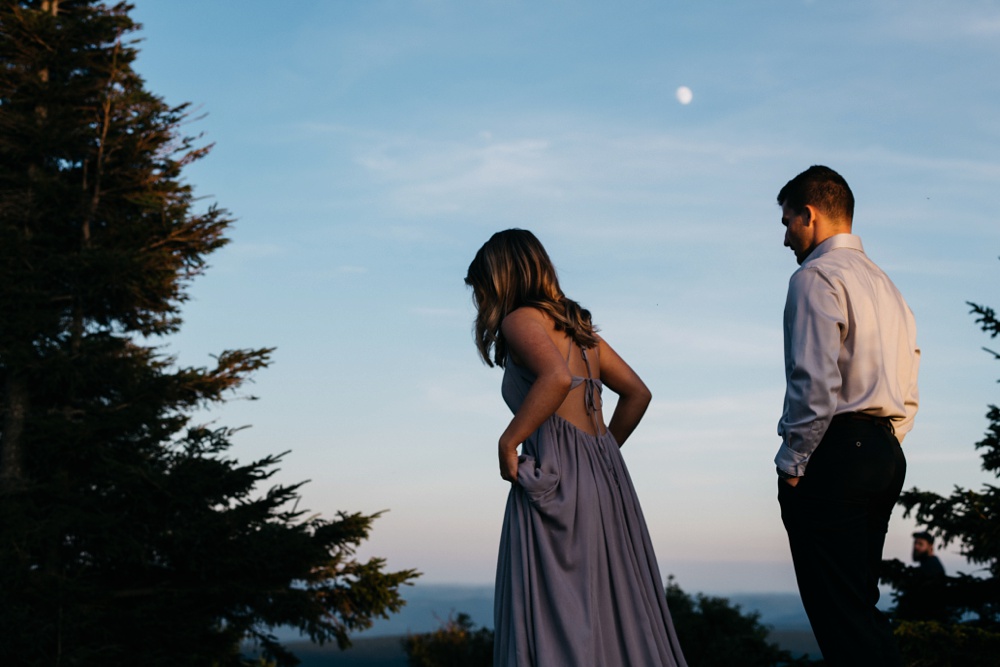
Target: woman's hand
<point>508,462</point>
<point>529,334</point>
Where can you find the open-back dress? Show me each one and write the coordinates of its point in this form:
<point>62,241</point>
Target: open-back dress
<point>577,581</point>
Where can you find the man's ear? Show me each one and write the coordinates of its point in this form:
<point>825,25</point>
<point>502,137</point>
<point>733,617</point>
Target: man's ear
<point>809,213</point>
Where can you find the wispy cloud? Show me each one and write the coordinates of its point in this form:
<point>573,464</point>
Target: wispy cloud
<point>431,178</point>
<point>250,251</point>
<point>652,184</point>
<point>573,175</point>
<point>934,21</point>
<point>984,26</point>
<point>239,255</point>
<point>439,312</point>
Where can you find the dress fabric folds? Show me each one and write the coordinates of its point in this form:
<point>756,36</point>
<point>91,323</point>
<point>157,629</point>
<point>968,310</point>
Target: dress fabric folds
<point>577,582</point>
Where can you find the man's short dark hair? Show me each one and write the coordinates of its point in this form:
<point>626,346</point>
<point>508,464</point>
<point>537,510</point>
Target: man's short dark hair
<point>821,187</point>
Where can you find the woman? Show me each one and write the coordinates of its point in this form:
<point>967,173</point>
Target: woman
<point>577,582</point>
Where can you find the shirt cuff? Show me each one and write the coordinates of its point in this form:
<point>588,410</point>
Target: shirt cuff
<point>791,462</point>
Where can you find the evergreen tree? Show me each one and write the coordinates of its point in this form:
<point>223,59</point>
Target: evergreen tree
<point>967,605</point>
<point>127,536</point>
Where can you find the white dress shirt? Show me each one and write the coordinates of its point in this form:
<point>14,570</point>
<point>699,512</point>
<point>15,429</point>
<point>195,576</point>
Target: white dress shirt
<point>850,346</point>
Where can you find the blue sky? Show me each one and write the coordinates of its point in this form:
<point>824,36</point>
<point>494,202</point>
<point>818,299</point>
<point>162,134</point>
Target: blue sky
<point>369,148</point>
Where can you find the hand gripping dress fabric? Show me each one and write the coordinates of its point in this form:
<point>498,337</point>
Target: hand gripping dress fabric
<point>577,582</point>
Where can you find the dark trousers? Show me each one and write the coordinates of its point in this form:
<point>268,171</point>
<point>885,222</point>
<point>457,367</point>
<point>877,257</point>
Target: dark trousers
<point>836,518</point>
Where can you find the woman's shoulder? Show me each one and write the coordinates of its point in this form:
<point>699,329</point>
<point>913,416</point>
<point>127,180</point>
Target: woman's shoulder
<point>527,315</point>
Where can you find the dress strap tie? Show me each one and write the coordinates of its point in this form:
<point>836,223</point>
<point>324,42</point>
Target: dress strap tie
<point>592,399</point>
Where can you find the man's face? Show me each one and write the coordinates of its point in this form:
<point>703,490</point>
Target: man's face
<point>799,232</point>
<point>921,549</point>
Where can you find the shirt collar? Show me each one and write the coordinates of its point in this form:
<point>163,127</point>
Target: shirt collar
<point>836,241</point>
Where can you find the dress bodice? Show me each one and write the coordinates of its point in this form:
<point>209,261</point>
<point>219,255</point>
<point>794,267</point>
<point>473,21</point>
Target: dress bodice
<point>517,381</point>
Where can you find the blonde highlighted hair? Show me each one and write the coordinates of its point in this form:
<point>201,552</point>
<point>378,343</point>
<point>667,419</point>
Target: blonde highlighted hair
<point>511,271</point>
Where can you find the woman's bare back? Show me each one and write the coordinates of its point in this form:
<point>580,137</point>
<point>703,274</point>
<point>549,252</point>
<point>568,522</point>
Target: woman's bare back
<point>582,406</point>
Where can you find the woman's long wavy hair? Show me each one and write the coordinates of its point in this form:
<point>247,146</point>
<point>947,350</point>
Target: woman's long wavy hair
<point>510,271</point>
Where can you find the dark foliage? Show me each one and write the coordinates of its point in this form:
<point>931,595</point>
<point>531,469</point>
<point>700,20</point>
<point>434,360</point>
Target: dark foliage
<point>127,536</point>
<point>716,633</point>
<point>932,644</point>
<point>712,632</point>
<point>457,643</point>
<point>966,607</point>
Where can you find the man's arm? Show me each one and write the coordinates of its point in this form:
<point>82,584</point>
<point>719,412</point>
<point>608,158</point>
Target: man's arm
<point>815,326</point>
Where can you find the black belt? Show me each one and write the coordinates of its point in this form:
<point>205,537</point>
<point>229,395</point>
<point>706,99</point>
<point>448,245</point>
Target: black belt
<point>884,422</point>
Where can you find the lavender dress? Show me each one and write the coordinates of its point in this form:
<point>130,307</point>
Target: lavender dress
<point>577,582</point>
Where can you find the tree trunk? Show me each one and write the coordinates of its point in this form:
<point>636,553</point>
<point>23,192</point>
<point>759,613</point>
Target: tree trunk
<point>15,396</point>
<point>11,448</point>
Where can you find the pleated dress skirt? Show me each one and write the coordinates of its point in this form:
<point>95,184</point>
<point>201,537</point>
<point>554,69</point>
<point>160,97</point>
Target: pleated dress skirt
<point>577,581</point>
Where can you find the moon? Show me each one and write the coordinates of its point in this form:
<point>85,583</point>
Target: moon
<point>684,95</point>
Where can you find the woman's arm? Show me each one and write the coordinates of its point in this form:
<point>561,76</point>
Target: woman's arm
<point>528,333</point>
<point>633,395</point>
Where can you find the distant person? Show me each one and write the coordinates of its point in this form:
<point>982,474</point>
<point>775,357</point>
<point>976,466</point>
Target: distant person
<point>577,582</point>
<point>851,362</point>
<point>923,598</point>
<point>923,554</point>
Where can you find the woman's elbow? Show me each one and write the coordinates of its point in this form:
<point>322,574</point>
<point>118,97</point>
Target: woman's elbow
<point>647,395</point>
<point>641,396</point>
<point>557,381</point>
<point>563,381</point>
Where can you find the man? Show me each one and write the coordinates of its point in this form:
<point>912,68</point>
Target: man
<point>923,554</point>
<point>851,364</point>
<point>923,598</point>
